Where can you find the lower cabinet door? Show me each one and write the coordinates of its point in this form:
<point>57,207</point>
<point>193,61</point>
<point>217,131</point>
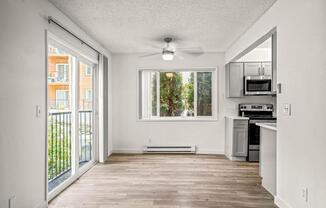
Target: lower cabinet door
<point>240,145</point>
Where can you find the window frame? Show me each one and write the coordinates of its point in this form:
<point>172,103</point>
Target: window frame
<point>215,95</point>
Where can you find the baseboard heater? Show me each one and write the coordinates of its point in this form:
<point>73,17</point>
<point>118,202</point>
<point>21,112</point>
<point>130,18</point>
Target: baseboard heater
<point>170,149</point>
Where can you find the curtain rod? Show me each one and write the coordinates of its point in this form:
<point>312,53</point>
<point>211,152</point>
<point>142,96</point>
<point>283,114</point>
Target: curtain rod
<point>53,20</point>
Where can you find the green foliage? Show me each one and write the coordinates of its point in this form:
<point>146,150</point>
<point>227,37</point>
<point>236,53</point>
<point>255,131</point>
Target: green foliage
<point>176,94</point>
<point>171,94</point>
<point>59,147</point>
<point>204,93</point>
<point>154,95</point>
<point>188,93</point>
<point>59,144</point>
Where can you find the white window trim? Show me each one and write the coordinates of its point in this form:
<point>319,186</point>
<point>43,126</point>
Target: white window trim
<point>215,96</point>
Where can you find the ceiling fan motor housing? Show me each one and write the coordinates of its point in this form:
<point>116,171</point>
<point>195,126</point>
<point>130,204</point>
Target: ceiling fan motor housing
<point>167,39</point>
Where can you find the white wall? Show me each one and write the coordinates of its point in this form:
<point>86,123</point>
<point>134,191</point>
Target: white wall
<point>257,54</point>
<point>130,135</point>
<point>301,64</point>
<point>22,87</point>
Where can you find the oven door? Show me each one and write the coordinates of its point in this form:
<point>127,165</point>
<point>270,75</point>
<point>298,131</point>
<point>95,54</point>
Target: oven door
<point>254,138</point>
<point>258,85</point>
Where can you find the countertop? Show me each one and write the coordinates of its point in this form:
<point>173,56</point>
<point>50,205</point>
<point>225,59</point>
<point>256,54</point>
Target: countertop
<point>238,117</point>
<point>270,126</point>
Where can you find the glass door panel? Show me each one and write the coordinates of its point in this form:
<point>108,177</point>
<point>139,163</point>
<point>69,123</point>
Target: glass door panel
<point>60,66</point>
<point>71,120</point>
<point>86,113</point>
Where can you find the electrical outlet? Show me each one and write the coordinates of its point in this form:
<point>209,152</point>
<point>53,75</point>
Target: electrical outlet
<point>304,194</point>
<point>287,109</point>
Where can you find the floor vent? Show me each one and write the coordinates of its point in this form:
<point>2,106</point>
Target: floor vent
<point>170,149</point>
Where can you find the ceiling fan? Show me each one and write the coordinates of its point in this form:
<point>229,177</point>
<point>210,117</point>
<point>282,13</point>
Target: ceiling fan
<point>169,52</point>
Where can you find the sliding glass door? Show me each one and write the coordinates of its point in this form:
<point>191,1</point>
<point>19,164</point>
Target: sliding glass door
<point>71,119</point>
<point>86,109</point>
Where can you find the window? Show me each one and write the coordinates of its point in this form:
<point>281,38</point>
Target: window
<point>62,99</point>
<point>88,95</point>
<point>62,72</point>
<point>88,70</point>
<point>176,94</point>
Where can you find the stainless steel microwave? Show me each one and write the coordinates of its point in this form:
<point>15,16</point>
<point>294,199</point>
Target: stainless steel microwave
<point>257,85</point>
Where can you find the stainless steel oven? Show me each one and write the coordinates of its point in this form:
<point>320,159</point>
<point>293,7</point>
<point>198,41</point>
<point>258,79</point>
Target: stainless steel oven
<point>258,85</point>
<point>257,113</point>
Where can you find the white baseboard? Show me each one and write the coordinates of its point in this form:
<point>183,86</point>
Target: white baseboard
<point>127,150</point>
<point>139,151</point>
<point>281,203</point>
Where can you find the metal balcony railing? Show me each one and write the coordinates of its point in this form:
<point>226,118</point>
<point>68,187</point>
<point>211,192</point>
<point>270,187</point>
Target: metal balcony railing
<point>60,143</point>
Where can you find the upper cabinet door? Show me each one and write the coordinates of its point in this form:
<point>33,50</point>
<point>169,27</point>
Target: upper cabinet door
<point>234,80</point>
<point>267,68</point>
<point>252,69</point>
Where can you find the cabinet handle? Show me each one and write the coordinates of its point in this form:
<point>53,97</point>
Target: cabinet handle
<point>263,70</point>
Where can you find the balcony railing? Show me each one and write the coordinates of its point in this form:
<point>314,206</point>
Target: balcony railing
<point>60,144</point>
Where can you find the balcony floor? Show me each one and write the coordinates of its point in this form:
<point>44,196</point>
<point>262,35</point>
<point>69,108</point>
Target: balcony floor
<point>169,181</point>
<point>57,181</point>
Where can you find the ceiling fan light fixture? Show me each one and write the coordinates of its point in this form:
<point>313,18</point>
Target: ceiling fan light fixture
<point>167,55</point>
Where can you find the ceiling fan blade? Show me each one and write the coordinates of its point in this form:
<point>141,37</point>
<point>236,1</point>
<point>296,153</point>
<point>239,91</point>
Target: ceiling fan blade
<point>150,54</point>
<point>191,51</point>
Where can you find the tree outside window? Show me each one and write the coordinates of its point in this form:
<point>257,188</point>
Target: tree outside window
<point>169,94</point>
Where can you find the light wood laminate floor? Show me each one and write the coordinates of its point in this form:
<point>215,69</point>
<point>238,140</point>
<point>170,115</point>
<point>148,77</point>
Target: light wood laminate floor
<point>167,181</point>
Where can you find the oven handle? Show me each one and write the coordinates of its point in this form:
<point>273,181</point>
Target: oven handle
<point>262,121</point>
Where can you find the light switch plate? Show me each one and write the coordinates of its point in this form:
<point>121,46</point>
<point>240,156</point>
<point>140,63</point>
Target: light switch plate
<point>279,88</point>
<point>287,109</point>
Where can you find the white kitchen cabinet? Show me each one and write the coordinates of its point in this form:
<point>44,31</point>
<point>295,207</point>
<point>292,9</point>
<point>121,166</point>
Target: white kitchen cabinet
<point>258,69</point>
<point>266,68</point>
<point>252,68</point>
<point>234,80</point>
<point>268,162</point>
<point>240,136</point>
<point>236,138</point>
<point>235,72</point>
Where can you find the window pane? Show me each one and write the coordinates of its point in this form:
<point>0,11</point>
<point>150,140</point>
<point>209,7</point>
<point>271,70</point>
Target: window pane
<point>60,67</point>
<point>204,93</point>
<point>154,93</point>
<point>85,113</point>
<point>176,94</point>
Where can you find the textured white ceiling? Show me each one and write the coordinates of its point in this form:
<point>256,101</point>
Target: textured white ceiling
<point>136,26</point>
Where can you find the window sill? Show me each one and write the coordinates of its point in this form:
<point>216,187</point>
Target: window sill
<point>213,119</point>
